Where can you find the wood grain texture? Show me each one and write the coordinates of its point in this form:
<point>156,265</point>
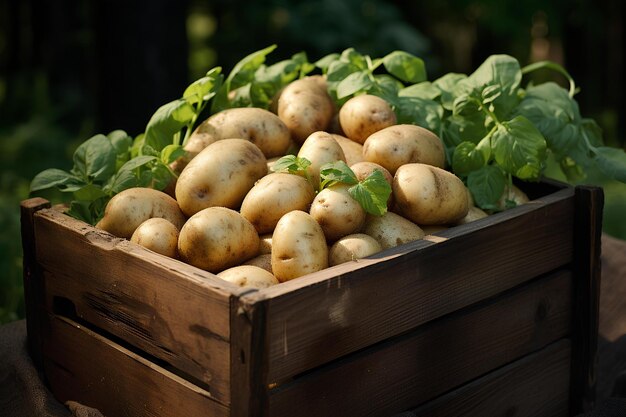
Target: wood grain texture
<point>170,310</point>
<point>439,356</point>
<point>326,315</point>
<point>587,267</point>
<point>118,383</point>
<point>33,277</point>
<point>534,386</point>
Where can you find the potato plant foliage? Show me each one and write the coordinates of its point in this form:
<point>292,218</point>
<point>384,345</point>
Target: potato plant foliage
<point>493,126</point>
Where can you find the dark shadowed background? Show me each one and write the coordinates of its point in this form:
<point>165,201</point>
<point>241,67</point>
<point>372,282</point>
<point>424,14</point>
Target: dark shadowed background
<point>70,69</point>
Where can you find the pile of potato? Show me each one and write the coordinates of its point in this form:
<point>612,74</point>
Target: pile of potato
<point>230,214</point>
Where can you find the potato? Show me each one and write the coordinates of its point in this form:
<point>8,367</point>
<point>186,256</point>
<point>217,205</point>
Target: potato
<point>262,261</point>
<point>305,107</point>
<point>352,150</point>
<point>265,245</point>
<point>352,247</point>
<point>273,196</point>
<point>337,212</point>
<point>474,213</point>
<point>320,148</point>
<point>428,195</point>
<point>514,195</point>
<point>364,169</point>
<point>248,276</point>
<point>391,229</point>
<point>159,235</point>
<point>217,238</point>
<point>403,144</point>
<point>133,206</point>
<point>365,114</point>
<point>221,175</point>
<point>298,246</point>
<point>432,229</point>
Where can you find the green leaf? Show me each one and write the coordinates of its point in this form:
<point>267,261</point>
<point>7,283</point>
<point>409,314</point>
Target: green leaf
<point>52,178</point>
<point>167,121</point>
<point>171,153</point>
<point>372,193</point>
<point>336,172</point>
<point>94,159</point>
<point>89,192</point>
<point>611,162</point>
<point>555,67</point>
<point>354,83</point>
<point>405,66</point>
<point>418,111</point>
<point>203,89</point>
<point>291,164</point>
<point>122,144</point>
<point>354,58</point>
<point>127,176</point>
<point>447,85</point>
<point>425,90</point>
<point>161,176</point>
<point>243,72</point>
<point>487,186</point>
<point>519,148</point>
<point>466,158</point>
<point>324,62</point>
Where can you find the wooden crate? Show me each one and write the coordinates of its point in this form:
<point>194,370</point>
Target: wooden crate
<point>496,317</point>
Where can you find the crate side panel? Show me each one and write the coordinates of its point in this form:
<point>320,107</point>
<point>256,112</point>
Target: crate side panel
<point>353,307</point>
<point>534,386</point>
<point>437,357</point>
<point>82,366</point>
<point>137,296</point>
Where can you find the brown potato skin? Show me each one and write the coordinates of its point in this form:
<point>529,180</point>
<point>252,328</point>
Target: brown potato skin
<point>131,207</point>
<point>221,175</point>
<point>398,145</point>
<point>159,235</point>
<point>217,238</point>
<point>428,195</point>
<point>273,196</point>
<point>320,148</point>
<point>391,229</point>
<point>248,276</point>
<point>352,247</point>
<point>352,150</point>
<point>365,114</point>
<point>337,212</point>
<point>298,246</point>
<point>263,260</point>
<point>305,107</point>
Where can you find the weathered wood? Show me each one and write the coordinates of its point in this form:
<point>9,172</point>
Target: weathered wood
<point>33,277</point>
<point>326,315</point>
<point>435,358</point>
<point>170,310</point>
<point>248,360</point>
<point>587,246</point>
<point>81,365</point>
<point>534,386</point>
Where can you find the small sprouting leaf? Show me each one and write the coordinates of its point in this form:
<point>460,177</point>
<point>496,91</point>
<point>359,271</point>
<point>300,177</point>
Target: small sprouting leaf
<point>94,159</point>
<point>336,172</point>
<point>487,186</point>
<point>291,164</point>
<point>405,66</point>
<point>372,193</point>
<point>519,148</point>
<point>612,162</point>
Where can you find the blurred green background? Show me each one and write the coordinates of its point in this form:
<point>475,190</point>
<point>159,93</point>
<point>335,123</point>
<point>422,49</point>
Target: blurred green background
<point>70,69</point>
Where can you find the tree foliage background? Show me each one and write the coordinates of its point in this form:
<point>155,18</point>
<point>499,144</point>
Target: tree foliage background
<point>71,69</point>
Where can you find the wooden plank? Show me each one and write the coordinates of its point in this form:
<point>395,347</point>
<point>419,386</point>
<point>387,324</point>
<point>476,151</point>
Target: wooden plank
<point>535,386</point>
<point>587,245</point>
<point>168,309</point>
<point>248,363</point>
<point>82,366</point>
<point>318,318</point>
<point>437,357</point>
<point>33,277</point>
